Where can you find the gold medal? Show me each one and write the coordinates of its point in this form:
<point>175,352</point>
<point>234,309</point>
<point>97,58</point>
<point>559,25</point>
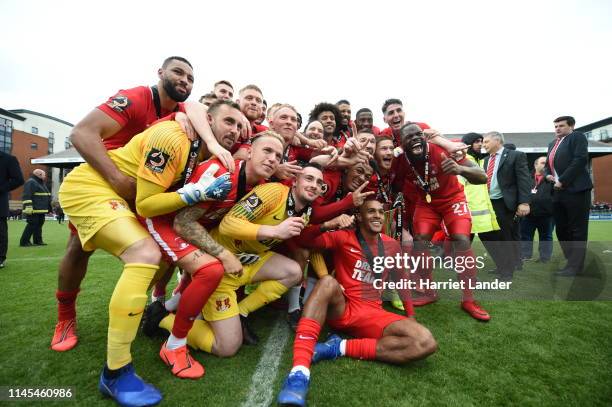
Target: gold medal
<point>428,198</point>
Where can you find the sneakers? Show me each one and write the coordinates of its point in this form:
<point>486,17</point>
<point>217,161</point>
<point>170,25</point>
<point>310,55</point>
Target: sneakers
<point>128,389</point>
<point>328,350</point>
<point>153,315</point>
<point>397,304</point>
<point>65,336</point>
<point>294,390</point>
<point>248,336</point>
<point>293,318</point>
<point>424,300</point>
<point>181,362</point>
<point>475,310</point>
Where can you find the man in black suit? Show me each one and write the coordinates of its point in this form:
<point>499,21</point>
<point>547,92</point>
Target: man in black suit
<point>509,189</point>
<point>10,178</point>
<point>566,168</point>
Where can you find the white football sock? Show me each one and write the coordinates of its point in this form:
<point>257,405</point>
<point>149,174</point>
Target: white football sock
<point>293,297</point>
<point>172,303</point>
<point>302,369</point>
<point>175,343</point>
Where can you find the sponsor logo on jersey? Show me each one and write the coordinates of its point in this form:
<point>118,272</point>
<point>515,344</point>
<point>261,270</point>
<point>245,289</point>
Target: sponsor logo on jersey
<point>251,203</point>
<point>156,160</point>
<point>119,103</point>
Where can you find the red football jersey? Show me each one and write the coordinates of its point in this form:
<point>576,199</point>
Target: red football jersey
<point>353,271</point>
<point>215,210</point>
<point>134,110</point>
<point>441,186</point>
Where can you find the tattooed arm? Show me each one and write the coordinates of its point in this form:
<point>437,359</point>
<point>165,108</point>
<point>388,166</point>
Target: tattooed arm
<point>187,226</point>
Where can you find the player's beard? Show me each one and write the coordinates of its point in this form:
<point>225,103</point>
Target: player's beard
<point>172,92</point>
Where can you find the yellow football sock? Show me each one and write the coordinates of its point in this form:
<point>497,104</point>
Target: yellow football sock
<point>125,311</point>
<point>267,292</point>
<point>318,264</point>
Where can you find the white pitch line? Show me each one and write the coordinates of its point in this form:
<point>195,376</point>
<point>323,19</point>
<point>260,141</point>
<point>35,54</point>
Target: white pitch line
<point>12,260</point>
<point>260,392</point>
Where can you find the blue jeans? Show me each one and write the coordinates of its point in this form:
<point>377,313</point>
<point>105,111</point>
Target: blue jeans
<point>544,225</point>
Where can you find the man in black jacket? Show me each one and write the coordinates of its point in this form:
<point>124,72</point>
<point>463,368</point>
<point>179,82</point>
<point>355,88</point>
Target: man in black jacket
<point>36,203</point>
<point>509,190</point>
<point>540,216</point>
<point>10,178</point>
<point>566,168</point>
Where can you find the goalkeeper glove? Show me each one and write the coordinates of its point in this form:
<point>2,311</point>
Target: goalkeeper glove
<point>207,188</point>
<point>28,210</point>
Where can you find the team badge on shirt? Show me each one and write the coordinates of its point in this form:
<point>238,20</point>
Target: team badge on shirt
<point>119,103</point>
<point>156,160</point>
<point>222,304</point>
<point>324,188</point>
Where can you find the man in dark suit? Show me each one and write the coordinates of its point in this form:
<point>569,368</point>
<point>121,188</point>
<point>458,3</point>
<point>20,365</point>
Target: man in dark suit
<point>509,189</point>
<point>566,168</point>
<point>10,178</point>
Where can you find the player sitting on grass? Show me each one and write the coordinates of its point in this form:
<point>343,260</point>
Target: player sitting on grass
<point>351,304</point>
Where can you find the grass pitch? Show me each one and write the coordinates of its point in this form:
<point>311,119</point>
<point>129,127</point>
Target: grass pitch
<point>536,353</point>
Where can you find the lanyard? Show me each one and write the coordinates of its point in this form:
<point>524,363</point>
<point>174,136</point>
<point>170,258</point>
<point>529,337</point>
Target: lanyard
<point>423,182</point>
<point>194,152</point>
<point>241,182</point>
<point>398,205</point>
<point>304,213</point>
<point>366,249</point>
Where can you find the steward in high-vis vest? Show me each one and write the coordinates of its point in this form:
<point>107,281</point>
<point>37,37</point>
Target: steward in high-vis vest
<point>484,221</point>
<point>36,203</point>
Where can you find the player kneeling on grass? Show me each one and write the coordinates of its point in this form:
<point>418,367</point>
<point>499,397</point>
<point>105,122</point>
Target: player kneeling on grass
<point>351,304</point>
<point>156,159</point>
<point>184,240</point>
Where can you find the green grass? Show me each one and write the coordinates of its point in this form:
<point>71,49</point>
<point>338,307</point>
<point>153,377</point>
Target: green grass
<point>538,353</point>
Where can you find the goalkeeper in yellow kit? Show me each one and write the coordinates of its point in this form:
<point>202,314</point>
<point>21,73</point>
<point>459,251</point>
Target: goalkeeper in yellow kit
<point>158,158</point>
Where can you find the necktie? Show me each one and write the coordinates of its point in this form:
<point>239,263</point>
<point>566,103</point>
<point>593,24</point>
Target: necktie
<point>551,156</point>
<point>490,169</point>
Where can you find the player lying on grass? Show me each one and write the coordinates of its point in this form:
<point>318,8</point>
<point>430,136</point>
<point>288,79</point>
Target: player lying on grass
<point>269,215</point>
<point>440,198</point>
<point>157,159</point>
<point>184,241</point>
<point>350,304</point>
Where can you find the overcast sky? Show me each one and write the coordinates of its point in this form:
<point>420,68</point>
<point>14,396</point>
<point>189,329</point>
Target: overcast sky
<point>458,65</point>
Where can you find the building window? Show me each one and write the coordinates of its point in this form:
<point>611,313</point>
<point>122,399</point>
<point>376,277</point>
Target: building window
<point>34,130</point>
<point>589,135</point>
<point>67,144</point>
<point>34,146</point>
<point>6,135</point>
<point>51,141</point>
<point>603,134</point>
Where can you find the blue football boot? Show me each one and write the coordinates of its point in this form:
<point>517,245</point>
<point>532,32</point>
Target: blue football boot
<point>328,350</point>
<point>128,389</point>
<point>294,390</point>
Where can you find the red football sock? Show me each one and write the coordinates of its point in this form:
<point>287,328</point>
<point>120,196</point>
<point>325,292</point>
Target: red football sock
<point>361,348</point>
<point>469,274</point>
<point>306,336</point>
<point>204,282</point>
<point>66,304</point>
<point>159,290</point>
<point>183,284</point>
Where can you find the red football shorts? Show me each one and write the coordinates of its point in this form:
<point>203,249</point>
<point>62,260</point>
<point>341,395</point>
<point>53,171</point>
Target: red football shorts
<point>453,211</point>
<point>173,247</point>
<point>362,319</point>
